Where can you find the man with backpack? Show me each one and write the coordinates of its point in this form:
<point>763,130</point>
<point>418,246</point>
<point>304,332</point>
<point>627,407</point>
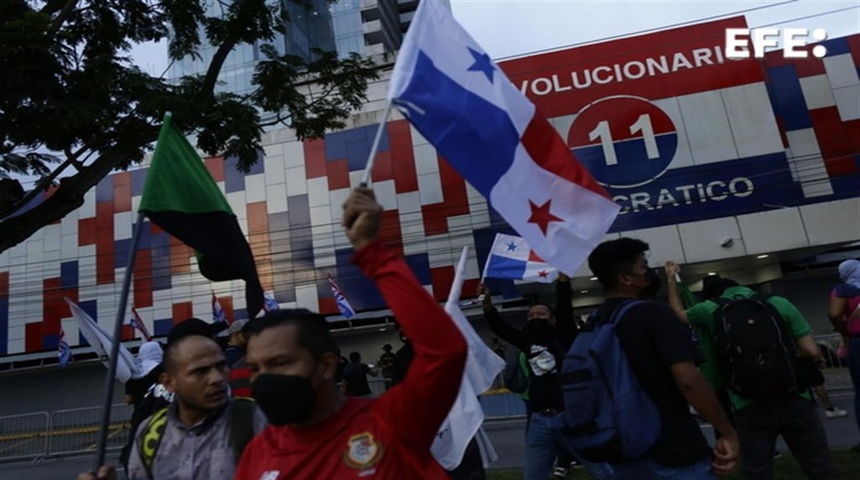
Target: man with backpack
<point>630,377</point>
<point>757,340</point>
<point>544,341</point>
<point>202,434</point>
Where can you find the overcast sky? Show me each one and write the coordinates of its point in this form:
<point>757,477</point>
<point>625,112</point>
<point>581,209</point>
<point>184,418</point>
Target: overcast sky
<point>506,28</point>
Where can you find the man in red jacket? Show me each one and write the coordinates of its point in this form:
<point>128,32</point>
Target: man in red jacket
<point>317,432</point>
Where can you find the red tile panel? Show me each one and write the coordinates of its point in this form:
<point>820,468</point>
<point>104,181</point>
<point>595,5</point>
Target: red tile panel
<point>121,198</point>
<point>442,278</point>
<point>403,163</point>
<point>258,237</point>
<point>121,178</point>
<point>143,278</point>
<point>86,231</point>
<point>338,174</point>
<point>227,306</point>
<point>180,257</point>
<point>215,165</point>
<point>328,306</point>
<point>33,337</point>
<point>105,257</point>
<point>456,201</point>
<point>835,141</point>
<point>4,284</point>
<point>382,169</point>
<point>182,311</point>
<point>315,164</point>
<point>854,47</point>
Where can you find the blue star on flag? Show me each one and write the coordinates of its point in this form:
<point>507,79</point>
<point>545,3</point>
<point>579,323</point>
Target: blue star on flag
<point>512,246</point>
<point>482,64</point>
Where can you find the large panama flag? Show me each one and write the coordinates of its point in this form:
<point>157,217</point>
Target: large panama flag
<point>181,197</point>
<point>494,137</point>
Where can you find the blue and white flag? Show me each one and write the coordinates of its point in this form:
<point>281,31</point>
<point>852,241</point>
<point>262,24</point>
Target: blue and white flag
<point>482,365</point>
<point>270,302</point>
<point>342,303</point>
<point>64,352</point>
<point>450,90</point>
<point>511,258</point>
<point>137,323</point>
<point>218,313</point>
<point>102,343</point>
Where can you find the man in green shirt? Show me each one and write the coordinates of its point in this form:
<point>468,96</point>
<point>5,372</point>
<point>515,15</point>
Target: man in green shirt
<point>760,421</point>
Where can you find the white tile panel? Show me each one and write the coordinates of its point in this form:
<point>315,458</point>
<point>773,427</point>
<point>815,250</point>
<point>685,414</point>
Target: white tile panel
<point>425,159</point>
<point>18,252</point>
<point>665,243</point>
<point>88,208</point>
<point>276,198</point>
<point>480,216</point>
<point>307,297</point>
<point>832,222</point>
<point>255,188</point>
<point>4,258</point>
<point>294,155</point>
<point>35,249</point>
<point>275,170</point>
<point>417,138</point>
<point>296,183</point>
<point>237,203</point>
<point>135,200</point>
<point>430,188</point>
<point>122,226</point>
<point>817,92</point>
<point>848,102</point>
<point>751,117</point>
<point>804,157</point>
<point>771,231</point>
<point>321,220</point>
<point>709,136</point>
<point>841,71</point>
<point>318,192</point>
<point>69,224</point>
<point>386,194</point>
<point>683,155</point>
<point>409,202</point>
<point>336,200</point>
<point>701,240</point>
<point>53,234</point>
<point>439,251</point>
<point>273,151</point>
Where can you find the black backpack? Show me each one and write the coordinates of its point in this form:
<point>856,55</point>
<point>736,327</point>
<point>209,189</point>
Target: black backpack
<point>754,348</point>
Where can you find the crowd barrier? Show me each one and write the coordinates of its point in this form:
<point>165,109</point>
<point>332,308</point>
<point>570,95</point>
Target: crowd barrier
<point>32,436</point>
<point>36,435</point>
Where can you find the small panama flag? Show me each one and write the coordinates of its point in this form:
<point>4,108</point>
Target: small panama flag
<point>270,303</point>
<point>137,324</point>
<point>342,303</point>
<point>64,352</point>
<point>218,314</point>
<point>511,258</point>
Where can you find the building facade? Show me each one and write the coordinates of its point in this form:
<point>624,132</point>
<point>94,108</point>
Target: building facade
<point>726,165</point>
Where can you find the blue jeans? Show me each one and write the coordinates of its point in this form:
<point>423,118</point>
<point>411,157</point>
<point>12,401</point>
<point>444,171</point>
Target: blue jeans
<point>648,470</point>
<point>544,441</point>
<point>854,368</point>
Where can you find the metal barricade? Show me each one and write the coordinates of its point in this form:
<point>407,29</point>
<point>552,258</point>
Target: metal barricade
<point>77,430</point>
<point>24,436</point>
<point>837,378</point>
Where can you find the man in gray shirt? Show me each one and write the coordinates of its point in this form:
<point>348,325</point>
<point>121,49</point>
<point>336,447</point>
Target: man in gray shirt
<point>194,438</point>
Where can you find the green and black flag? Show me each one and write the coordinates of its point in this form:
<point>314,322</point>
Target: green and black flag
<point>181,197</point>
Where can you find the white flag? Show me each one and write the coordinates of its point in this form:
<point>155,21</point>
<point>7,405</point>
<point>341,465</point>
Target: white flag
<point>101,343</point>
<point>482,365</point>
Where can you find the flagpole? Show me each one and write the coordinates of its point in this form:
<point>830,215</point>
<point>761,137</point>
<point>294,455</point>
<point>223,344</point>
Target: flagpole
<point>117,334</point>
<point>365,179</point>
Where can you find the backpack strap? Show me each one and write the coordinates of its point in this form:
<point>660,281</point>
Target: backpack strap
<point>151,439</point>
<point>241,424</point>
<point>622,309</point>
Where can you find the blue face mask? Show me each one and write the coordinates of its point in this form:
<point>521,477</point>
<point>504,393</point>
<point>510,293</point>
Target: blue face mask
<point>285,399</point>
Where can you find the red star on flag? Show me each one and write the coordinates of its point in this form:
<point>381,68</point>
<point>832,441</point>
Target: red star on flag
<point>541,215</point>
<point>543,274</point>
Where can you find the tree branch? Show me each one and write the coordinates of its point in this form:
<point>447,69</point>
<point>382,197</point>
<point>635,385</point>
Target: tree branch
<point>70,194</point>
<point>215,67</point>
<point>61,17</point>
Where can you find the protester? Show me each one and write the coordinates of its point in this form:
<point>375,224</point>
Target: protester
<point>385,365</point>
<point>355,375</point>
<point>759,420</point>
<point>202,434</point>
<point>316,431</point>
<point>662,357</point>
<point>235,350</point>
<point>140,391</point>
<point>545,340</point>
<point>844,312</point>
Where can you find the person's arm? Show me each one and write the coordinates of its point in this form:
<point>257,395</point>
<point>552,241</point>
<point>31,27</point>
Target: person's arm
<point>799,328</point>
<point>807,347</point>
<point>565,324</point>
<point>433,380</point>
<point>672,292</point>
<point>499,327</point>
<point>372,371</point>
<point>836,313</point>
<point>699,394</point>
<point>106,472</point>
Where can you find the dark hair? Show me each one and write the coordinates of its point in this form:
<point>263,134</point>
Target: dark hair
<point>614,257</point>
<point>714,285</point>
<point>313,334</point>
<point>194,326</point>
<point>171,352</point>
<point>354,357</point>
<point>536,304</point>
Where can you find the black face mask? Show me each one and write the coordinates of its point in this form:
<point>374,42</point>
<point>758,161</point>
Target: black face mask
<point>653,286</point>
<point>538,329</point>
<point>285,399</point>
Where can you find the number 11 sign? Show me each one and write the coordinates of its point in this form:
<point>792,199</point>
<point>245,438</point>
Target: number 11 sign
<point>624,141</point>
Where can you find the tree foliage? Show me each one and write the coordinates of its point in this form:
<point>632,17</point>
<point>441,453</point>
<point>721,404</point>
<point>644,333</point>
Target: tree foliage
<point>71,100</point>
